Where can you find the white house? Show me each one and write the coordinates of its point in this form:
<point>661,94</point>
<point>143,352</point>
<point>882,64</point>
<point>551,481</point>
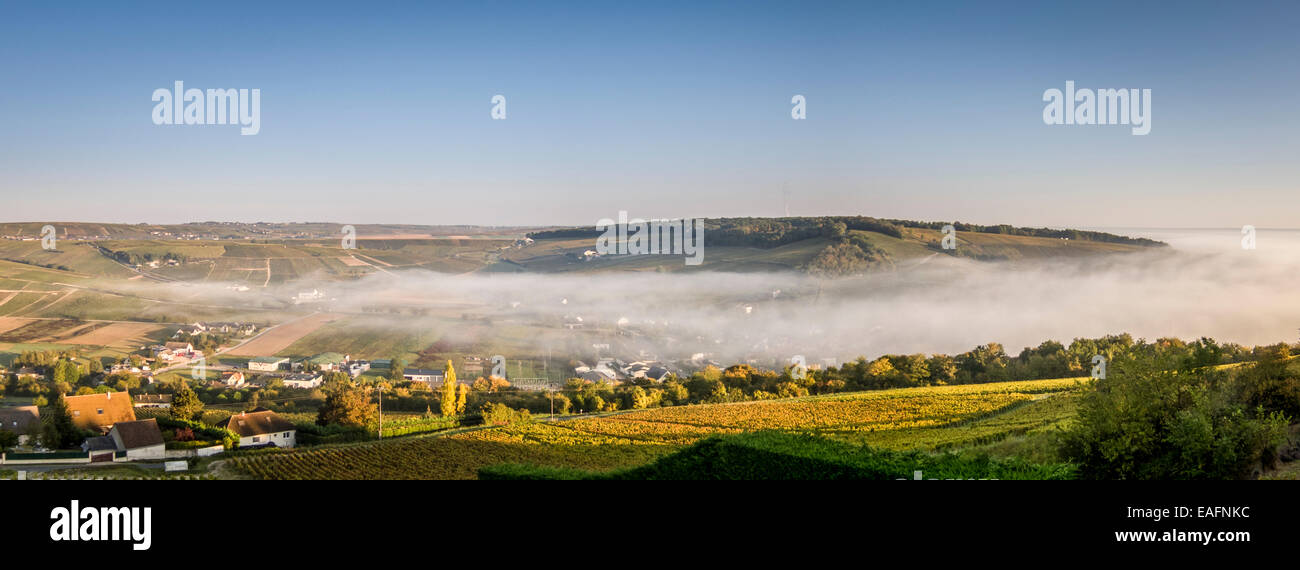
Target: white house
<point>261,428</point>
<point>267,363</point>
<point>233,379</point>
<point>308,297</point>
<point>421,375</point>
<point>22,420</point>
<point>140,439</point>
<point>311,380</point>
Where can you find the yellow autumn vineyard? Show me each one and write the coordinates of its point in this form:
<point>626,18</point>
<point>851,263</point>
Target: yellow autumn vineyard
<point>905,418</point>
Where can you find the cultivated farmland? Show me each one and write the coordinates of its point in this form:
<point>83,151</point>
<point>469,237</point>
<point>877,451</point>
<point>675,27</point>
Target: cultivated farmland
<point>910,418</point>
<point>275,341</point>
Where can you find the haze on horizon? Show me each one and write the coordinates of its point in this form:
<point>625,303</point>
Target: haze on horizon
<point>917,111</point>
<point>1206,285</point>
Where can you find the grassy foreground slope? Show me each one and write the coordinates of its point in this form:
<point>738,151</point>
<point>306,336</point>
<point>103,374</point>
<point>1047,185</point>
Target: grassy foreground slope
<point>903,419</point>
<point>798,457</point>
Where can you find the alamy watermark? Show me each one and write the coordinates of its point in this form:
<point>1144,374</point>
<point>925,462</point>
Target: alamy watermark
<point>49,238</point>
<point>651,237</point>
<point>498,366</point>
<point>1098,367</point>
<point>80,523</point>
<point>949,241</point>
<point>498,107</point>
<point>183,106</point>
<point>798,367</point>
<point>349,237</point>
<point>1100,107</point>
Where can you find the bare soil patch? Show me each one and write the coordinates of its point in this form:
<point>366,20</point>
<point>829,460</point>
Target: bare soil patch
<point>281,337</point>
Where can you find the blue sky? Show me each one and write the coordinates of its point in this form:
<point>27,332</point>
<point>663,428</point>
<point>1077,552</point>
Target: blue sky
<point>380,112</point>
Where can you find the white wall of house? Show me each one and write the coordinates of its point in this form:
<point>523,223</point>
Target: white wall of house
<point>263,366</point>
<point>280,439</point>
<point>302,383</point>
<point>151,452</point>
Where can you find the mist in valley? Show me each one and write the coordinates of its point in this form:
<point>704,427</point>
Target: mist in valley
<point>1204,285</point>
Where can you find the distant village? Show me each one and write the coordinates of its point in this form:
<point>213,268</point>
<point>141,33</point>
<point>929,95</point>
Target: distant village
<point>130,421</point>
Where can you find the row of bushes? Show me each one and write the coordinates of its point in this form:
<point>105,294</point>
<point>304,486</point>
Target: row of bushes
<point>411,426</point>
<point>206,434</point>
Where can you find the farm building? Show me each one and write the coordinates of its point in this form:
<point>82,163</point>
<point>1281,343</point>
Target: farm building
<point>261,428</point>
<point>354,368</point>
<point>267,363</point>
<point>311,380</point>
<point>329,361</point>
<point>313,296</point>
<point>430,377</point>
<point>99,412</point>
<point>23,420</point>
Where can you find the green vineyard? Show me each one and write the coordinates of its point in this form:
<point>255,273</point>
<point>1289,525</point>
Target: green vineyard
<point>903,419</point>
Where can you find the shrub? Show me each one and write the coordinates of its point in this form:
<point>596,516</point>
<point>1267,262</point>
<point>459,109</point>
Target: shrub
<point>1151,419</point>
<point>227,438</point>
<point>501,414</point>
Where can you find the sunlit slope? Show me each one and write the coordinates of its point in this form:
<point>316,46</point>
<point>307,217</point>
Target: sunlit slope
<point>567,255</point>
<point>266,262</point>
<point>943,417</point>
<point>251,263</point>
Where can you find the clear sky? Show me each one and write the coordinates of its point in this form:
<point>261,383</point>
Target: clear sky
<point>378,112</point>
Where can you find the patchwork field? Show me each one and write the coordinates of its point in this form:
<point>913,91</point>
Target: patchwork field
<point>275,341</point>
<point>41,330</point>
<point>912,418</point>
<point>124,335</point>
<point>10,323</point>
<point>367,338</point>
<point>119,335</point>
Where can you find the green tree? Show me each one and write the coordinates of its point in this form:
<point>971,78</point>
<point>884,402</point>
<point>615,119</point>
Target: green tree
<point>185,402</point>
<point>1153,419</point>
<point>347,404</point>
<point>396,368</point>
<point>8,439</point>
<point>501,414</point>
<point>66,370</point>
<point>943,370</point>
<point>640,399</point>
<point>58,431</point>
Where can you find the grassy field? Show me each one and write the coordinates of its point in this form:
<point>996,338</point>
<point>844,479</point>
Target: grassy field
<point>276,341</point>
<point>78,257</point>
<point>366,338</point>
<point>913,418</point>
